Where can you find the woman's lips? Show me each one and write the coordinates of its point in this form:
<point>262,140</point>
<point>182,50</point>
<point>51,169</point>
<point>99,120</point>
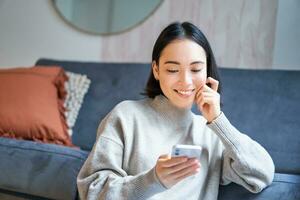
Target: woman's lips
<point>185,93</point>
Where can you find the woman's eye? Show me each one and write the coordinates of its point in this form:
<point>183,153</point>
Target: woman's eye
<point>172,70</point>
<point>196,70</point>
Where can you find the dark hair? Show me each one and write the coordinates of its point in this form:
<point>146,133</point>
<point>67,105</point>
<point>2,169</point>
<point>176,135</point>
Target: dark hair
<point>172,32</point>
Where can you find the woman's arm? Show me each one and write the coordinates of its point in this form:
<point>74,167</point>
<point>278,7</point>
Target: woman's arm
<point>102,176</point>
<point>245,162</point>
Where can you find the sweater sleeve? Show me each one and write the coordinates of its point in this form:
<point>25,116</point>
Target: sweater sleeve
<point>102,176</point>
<point>244,161</point>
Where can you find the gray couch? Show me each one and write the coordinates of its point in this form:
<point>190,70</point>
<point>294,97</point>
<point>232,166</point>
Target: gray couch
<point>262,103</point>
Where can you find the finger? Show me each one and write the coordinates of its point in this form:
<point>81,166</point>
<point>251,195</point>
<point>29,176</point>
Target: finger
<point>164,157</point>
<point>207,94</point>
<point>204,99</point>
<point>207,100</point>
<point>200,103</point>
<point>202,106</point>
<point>198,92</point>
<point>174,161</point>
<point>206,90</point>
<point>182,166</point>
<point>213,95</point>
<point>214,83</point>
<point>185,172</point>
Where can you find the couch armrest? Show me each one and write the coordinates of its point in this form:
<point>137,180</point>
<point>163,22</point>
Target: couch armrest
<point>44,170</point>
<point>284,186</point>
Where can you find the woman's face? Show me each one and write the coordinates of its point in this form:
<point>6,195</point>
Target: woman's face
<point>181,71</point>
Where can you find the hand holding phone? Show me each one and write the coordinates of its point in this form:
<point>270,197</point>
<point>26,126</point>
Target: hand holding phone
<point>172,170</point>
<point>190,151</point>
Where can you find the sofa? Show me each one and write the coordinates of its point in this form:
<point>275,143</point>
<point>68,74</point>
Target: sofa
<point>261,103</point>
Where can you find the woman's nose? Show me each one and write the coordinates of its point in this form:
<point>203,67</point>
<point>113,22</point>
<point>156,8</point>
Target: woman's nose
<point>186,78</point>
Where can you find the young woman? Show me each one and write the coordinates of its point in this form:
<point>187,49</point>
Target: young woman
<point>130,157</point>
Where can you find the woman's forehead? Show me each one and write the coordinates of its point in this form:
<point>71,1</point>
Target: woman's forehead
<point>183,51</point>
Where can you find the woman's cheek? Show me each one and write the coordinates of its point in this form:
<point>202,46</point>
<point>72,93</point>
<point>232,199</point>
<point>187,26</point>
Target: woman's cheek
<point>201,81</point>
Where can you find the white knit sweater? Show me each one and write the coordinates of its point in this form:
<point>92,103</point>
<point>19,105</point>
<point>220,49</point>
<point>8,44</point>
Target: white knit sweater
<point>135,133</point>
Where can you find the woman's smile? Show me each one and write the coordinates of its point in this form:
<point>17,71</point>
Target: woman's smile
<point>185,93</point>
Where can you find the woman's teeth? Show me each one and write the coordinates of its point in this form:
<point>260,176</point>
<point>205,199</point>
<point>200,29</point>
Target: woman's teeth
<point>185,92</point>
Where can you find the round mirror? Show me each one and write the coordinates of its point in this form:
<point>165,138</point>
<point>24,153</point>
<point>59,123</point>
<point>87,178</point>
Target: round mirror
<point>105,16</point>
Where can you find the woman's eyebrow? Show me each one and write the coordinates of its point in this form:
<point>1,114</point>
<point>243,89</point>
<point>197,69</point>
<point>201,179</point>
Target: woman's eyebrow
<point>197,62</point>
<point>172,62</point>
<point>177,63</point>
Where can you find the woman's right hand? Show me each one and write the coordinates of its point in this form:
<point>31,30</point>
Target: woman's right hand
<point>171,170</point>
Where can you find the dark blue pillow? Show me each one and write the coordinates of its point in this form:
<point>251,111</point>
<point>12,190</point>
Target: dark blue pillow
<point>40,169</point>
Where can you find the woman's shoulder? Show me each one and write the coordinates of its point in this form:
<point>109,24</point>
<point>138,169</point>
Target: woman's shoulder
<point>131,106</point>
<point>125,111</point>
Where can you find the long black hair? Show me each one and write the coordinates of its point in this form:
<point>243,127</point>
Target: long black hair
<point>173,32</point>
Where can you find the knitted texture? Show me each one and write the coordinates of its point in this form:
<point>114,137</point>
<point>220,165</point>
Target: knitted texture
<point>134,134</point>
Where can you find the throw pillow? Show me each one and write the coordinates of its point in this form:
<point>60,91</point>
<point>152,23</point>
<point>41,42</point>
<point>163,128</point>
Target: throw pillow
<point>31,104</point>
<point>76,87</point>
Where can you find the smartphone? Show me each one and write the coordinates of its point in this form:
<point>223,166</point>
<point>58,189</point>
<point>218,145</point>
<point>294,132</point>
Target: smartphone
<point>191,151</point>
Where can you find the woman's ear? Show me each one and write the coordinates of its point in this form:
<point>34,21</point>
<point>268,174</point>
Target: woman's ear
<point>155,70</point>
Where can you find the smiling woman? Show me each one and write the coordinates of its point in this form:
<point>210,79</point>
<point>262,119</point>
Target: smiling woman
<point>181,68</point>
<point>130,157</point>
<point>105,16</point>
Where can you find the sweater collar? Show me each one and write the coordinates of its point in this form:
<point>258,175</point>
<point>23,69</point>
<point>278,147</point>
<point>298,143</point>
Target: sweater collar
<point>179,116</point>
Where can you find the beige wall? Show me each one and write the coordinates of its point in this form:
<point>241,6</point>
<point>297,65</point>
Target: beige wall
<point>241,32</point>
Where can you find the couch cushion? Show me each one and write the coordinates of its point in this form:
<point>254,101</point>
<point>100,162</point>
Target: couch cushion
<point>31,104</point>
<point>9,195</point>
<point>284,186</point>
<point>39,169</point>
<point>264,104</point>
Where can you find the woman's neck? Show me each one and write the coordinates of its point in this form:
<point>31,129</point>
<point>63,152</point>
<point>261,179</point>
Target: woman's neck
<point>178,116</point>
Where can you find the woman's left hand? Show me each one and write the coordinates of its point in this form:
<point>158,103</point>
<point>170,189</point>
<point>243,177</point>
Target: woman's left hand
<point>208,100</point>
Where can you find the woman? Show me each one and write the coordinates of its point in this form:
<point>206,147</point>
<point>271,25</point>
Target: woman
<point>130,157</point>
